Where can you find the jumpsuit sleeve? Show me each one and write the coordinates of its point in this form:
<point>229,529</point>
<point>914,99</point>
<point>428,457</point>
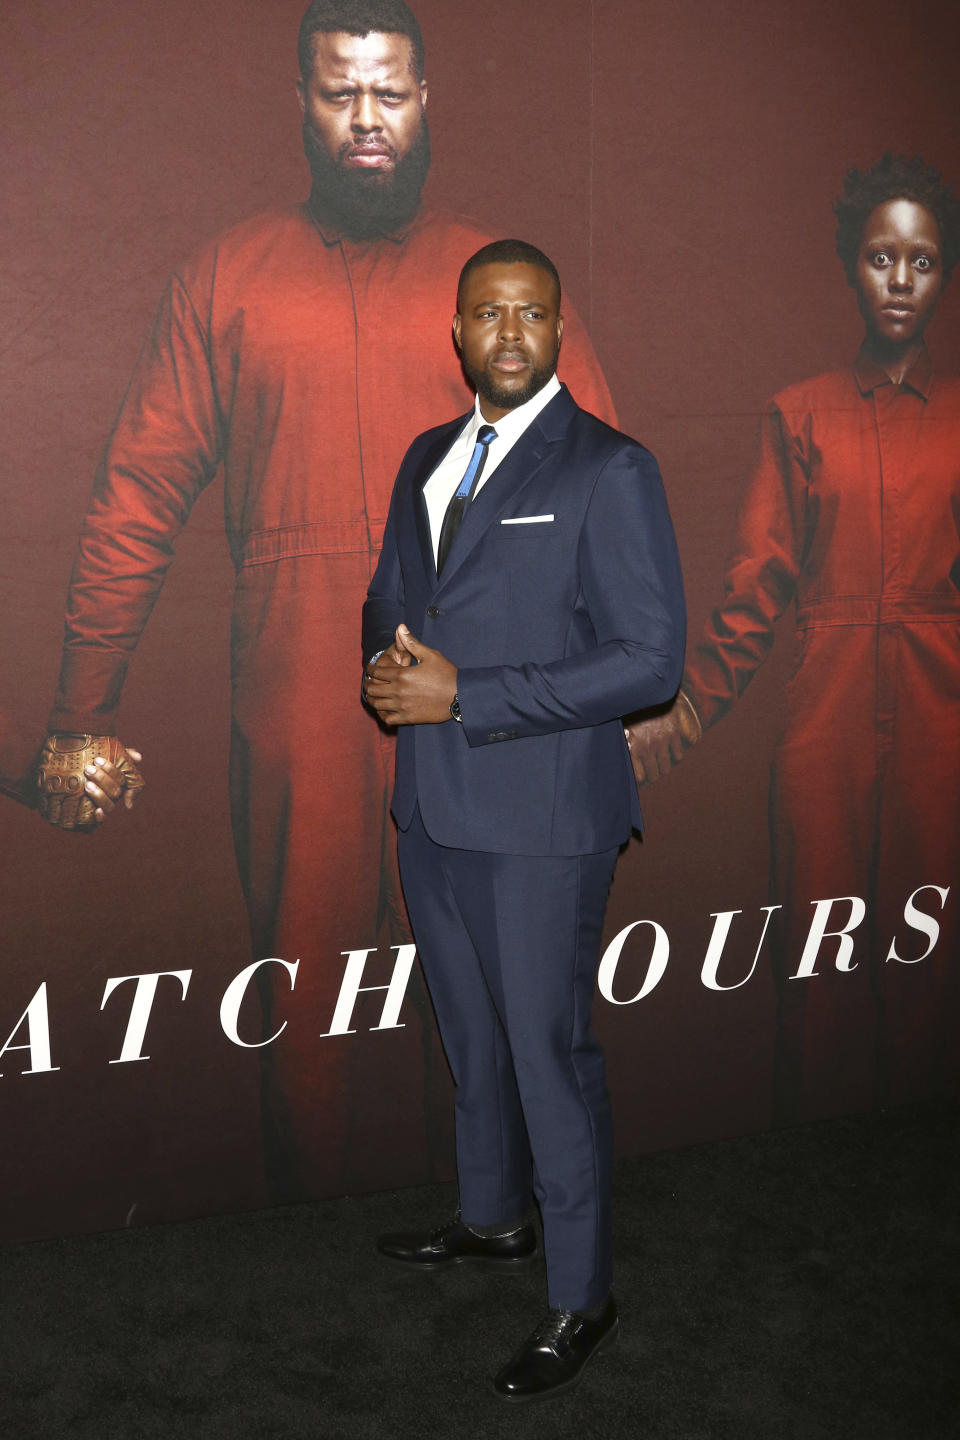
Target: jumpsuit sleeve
<point>165,448</point>
<point>761,573</point>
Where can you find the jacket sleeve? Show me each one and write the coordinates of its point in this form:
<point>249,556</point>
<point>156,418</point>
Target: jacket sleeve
<point>383,607</point>
<point>761,574</point>
<point>627,631</point>
<point>165,448</point>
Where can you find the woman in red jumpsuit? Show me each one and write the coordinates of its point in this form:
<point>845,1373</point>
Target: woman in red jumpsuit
<point>852,511</point>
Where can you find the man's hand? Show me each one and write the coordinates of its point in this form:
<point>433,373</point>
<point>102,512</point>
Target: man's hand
<point>660,741</point>
<point>393,655</point>
<point>389,658</point>
<point>403,693</point>
<point>82,778</point>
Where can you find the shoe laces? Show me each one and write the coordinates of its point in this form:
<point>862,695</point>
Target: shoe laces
<point>555,1327</point>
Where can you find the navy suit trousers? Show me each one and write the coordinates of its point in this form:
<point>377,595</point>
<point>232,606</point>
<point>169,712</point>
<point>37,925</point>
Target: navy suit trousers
<point>510,946</point>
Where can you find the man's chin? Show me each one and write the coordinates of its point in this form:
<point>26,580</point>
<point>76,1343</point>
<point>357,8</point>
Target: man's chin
<point>510,397</point>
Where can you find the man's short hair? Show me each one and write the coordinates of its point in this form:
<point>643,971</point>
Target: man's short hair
<point>508,252</point>
<point>894,177</point>
<point>358,17</point>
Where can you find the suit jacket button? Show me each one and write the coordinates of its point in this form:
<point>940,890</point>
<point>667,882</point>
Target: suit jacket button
<point>433,611</point>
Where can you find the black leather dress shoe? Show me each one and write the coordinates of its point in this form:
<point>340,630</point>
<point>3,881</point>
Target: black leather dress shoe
<point>454,1244</point>
<point>552,1360</point>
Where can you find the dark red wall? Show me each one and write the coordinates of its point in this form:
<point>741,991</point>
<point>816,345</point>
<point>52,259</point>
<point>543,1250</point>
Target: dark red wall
<point>678,161</point>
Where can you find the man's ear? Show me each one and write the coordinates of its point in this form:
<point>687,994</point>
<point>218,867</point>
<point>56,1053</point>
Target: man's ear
<point>302,98</point>
<point>456,331</point>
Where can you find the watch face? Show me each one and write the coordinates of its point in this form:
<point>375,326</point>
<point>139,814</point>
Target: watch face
<point>455,709</point>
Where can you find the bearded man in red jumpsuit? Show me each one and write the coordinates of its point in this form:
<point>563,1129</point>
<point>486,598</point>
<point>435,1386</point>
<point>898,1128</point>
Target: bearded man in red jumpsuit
<point>298,354</point>
<point>852,511</point>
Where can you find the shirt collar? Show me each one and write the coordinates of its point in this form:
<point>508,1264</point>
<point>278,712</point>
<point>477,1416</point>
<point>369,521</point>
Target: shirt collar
<point>870,376</point>
<point>512,425</point>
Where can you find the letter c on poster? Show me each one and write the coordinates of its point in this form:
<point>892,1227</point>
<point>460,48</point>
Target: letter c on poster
<point>233,999</point>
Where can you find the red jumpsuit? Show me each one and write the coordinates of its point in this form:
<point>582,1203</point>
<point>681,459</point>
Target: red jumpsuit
<point>303,364</point>
<point>852,510</point>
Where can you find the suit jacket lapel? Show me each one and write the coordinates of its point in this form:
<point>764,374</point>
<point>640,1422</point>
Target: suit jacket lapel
<point>431,458</point>
<point>511,476</point>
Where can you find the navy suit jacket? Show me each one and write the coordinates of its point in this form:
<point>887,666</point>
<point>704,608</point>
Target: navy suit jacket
<point>559,625</point>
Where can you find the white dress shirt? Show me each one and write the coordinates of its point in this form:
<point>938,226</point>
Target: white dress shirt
<point>442,485</point>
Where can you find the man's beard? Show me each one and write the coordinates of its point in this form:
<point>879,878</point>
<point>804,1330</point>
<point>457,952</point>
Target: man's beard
<point>502,397</point>
<point>368,204</point>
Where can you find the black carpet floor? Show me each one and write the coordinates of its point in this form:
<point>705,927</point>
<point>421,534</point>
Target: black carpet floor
<point>801,1284</point>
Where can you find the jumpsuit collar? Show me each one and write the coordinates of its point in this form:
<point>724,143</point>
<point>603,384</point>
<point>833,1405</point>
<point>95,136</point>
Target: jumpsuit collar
<point>870,376</point>
<point>333,234</point>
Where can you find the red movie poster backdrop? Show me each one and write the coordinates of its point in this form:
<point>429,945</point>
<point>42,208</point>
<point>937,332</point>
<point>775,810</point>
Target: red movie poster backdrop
<point>678,162</point>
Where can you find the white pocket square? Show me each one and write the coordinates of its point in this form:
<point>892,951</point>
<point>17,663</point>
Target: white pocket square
<point>528,520</point>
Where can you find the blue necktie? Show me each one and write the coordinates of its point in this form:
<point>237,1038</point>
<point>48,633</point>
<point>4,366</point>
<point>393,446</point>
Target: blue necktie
<point>464,494</point>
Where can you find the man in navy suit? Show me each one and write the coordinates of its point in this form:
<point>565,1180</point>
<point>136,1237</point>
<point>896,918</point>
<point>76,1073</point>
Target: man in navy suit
<point>528,595</point>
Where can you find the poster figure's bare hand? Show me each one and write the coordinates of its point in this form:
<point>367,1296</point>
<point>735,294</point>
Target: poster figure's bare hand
<point>658,742</point>
<point>412,694</point>
<point>108,786</point>
<point>83,778</point>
